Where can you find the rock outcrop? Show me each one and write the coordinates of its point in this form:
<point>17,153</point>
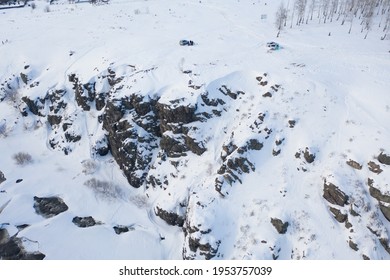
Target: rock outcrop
<point>49,206</point>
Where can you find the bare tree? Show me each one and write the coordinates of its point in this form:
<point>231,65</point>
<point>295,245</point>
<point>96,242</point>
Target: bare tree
<point>368,14</point>
<point>312,6</point>
<point>325,9</point>
<point>301,8</point>
<point>281,15</point>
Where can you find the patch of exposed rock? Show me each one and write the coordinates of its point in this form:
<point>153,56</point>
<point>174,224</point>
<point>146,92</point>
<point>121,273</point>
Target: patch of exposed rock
<point>354,164</point>
<point>11,248</point>
<point>170,218</point>
<point>280,226</point>
<point>2,177</point>
<point>119,229</point>
<point>334,195</point>
<point>384,158</point>
<point>84,222</point>
<point>49,206</point>
<point>383,199</point>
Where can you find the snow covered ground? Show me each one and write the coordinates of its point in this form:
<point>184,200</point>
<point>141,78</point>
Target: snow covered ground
<point>328,92</point>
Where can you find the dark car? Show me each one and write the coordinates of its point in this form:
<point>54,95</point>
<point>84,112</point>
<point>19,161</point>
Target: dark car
<point>186,43</point>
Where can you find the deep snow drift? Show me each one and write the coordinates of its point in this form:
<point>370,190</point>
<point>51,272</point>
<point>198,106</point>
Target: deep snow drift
<point>222,150</point>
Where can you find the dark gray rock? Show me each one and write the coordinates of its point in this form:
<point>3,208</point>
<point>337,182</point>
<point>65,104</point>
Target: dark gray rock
<point>170,218</point>
<point>267,94</point>
<point>102,147</point>
<point>4,236</point>
<point>173,146</point>
<point>35,106</point>
<point>211,102</point>
<point>353,245</point>
<point>70,137</point>
<point>84,93</point>
<point>205,249</point>
<point>255,144</point>
<point>334,195</point>
<point>24,78</point>
<point>291,123</point>
<point>174,113</point>
<point>383,200</point>
<point>132,152</point>
<point>49,206</point>
<point>84,222</point>
<point>280,226</point>
<point>384,159</point>
<point>2,177</point>
<point>385,243</point>
<point>11,248</point>
<point>119,229</point>
<point>54,119</point>
<point>309,157</point>
<point>226,91</point>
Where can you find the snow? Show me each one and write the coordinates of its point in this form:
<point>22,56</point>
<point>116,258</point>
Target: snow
<point>335,87</point>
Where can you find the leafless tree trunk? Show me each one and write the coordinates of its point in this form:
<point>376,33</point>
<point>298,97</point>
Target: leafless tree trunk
<point>281,15</point>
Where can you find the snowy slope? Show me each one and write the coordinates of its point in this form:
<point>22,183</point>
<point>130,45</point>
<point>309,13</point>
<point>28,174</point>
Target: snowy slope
<point>218,139</point>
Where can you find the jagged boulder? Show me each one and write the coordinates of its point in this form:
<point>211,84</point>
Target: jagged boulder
<point>84,93</point>
<point>49,206</point>
<point>340,217</point>
<point>383,200</point>
<point>204,249</point>
<point>354,164</point>
<point>35,106</point>
<point>54,119</point>
<point>309,157</point>
<point>84,222</point>
<point>119,229</point>
<point>170,218</point>
<point>353,245</point>
<point>280,226</point>
<point>174,114</point>
<point>334,195</point>
<point>384,158</point>
<point>373,167</point>
<point>2,177</point>
<point>132,140</point>
<point>11,248</point>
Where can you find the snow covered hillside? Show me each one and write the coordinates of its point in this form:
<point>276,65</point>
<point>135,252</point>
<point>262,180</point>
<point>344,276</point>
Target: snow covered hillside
<point>116,142</point>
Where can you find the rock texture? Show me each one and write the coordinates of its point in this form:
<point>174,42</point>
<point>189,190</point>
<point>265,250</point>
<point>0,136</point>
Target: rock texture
<point>2,177</point>
<point>334,195</point>
<point>49,206</point>
<point>11,248</point>
<point>280,226</point>
<point>84,222</point>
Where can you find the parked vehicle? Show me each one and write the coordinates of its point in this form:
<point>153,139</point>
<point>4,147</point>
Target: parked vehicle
<point>186,43</point>
<point>273,46</point>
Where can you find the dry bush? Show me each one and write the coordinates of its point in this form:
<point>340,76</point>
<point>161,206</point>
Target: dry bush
<point>22,158</point>
<point>89,166</point>
<point>104,189</point>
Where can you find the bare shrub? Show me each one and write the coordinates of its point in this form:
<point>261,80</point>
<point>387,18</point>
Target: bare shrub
<point>22,158</point>
<point>11,96</point>
<point>140,201</point>
<point>89,166</point>
<point>104,189</point>
<point>3,129</point>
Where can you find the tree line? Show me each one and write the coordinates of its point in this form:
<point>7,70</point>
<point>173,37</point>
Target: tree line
<point>366,13</point>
